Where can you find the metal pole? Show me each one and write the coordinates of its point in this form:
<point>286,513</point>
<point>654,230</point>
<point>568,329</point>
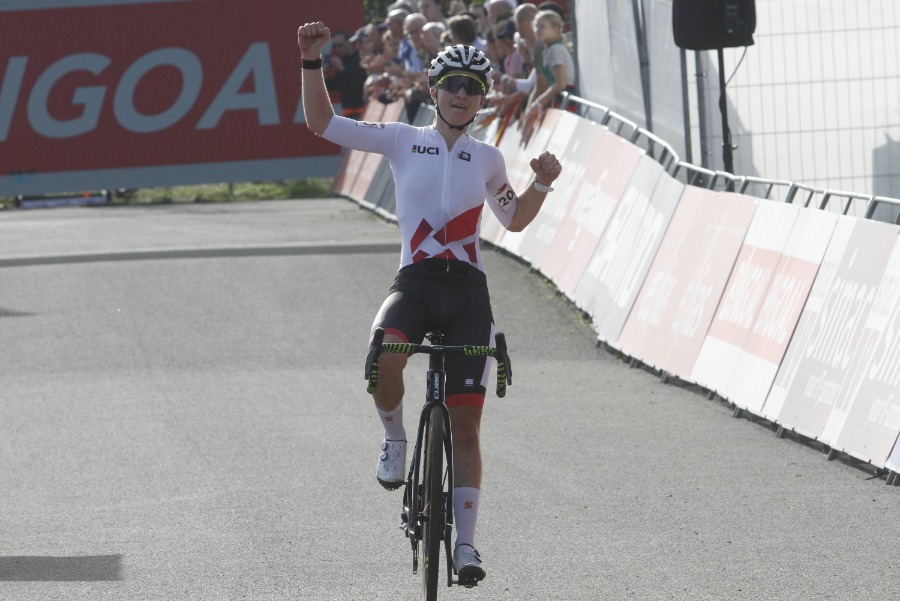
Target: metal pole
<point>700,69</point>
<point>686,108</point>
<point>644,58</point>
<point>727,148</point>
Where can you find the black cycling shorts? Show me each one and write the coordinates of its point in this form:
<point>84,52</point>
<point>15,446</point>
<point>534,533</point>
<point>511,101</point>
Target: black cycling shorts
<point>452,297</point>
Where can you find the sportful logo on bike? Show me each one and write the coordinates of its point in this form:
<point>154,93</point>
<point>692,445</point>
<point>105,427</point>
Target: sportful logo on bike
<point>426,150</point>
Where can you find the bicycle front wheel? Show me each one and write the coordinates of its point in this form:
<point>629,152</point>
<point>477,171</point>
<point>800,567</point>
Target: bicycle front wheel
<point>433,504</point>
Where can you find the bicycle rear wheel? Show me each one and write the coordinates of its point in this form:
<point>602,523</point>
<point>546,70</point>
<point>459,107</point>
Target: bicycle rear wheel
<point>433,503</point>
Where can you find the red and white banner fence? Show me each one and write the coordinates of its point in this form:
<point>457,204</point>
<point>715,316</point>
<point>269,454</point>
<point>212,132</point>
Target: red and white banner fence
<point>131,93</point>
<point>791,313</point>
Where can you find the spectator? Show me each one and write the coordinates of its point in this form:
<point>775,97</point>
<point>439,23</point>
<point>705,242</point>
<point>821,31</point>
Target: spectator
<point>531,51</point>
<point>387,81</point>
<point>524,20</point>
<point>500,9</point>
<point>370,41</point>
<point>551,5</point>
<point>480,14</point>
<point>423,44</point>
<point>394,21</point>
<point>407,5</point>
<point>492,52</point>
<point>464,30</point>
<point>457,7</point>
<point>511,62</point>
<point>558,65</point>
<point>555,7</point>
<point>346,76</point>
<point>431,39</point>
<point>409,53</point>
<point>514,91</point>
<point>390,50</point>
<point>432,11</point>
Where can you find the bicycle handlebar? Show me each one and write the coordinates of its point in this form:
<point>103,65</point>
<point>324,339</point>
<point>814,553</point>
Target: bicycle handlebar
<point>378,346</point>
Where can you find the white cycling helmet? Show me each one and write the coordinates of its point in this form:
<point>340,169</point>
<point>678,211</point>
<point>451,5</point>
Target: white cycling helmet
<point>461,58</point>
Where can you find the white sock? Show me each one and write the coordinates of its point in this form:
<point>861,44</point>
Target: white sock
<point>465,514</point>
<point>393,423</point>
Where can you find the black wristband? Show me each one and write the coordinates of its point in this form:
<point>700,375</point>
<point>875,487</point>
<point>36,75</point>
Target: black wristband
<point>316,64</point>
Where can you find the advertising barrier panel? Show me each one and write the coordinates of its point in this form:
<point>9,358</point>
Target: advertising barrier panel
<point>523,174</point>
<point>780,309</point>
<point>750,279</point>
<point>540,234</point>
<point>615,273</point>
<point>135,94</point>
<point>869,427</point>
<point>353,159</point>
<point>812,380</point>
<point>491,229</point>
<point>670,319</point>
<point>369,162</point>
<point>602,164</point>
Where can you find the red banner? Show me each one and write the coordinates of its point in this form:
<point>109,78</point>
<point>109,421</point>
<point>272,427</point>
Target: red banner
<point>137,85</point>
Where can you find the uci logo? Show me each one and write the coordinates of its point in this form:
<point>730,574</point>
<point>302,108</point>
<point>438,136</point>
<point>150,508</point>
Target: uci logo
<point>426,150</point>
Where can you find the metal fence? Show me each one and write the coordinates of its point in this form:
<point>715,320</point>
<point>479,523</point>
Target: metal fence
<point>868,206</point>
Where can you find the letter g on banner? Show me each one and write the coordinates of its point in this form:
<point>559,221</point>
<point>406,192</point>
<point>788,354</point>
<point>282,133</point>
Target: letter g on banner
<point>192,80</point>
<point>90,97</point>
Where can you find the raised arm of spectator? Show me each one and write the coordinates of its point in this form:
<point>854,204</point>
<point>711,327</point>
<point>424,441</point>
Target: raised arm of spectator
<point>317,108</point>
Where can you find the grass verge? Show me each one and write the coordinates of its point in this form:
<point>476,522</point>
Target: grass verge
<point>236,192</point>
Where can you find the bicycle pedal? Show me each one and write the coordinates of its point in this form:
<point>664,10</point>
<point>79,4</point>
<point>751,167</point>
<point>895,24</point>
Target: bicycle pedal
<point>468,582</point>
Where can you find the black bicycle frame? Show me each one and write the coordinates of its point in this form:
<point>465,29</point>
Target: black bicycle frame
<point>434,395</point>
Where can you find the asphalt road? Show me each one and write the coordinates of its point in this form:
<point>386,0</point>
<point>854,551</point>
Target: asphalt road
<point>183,416</point>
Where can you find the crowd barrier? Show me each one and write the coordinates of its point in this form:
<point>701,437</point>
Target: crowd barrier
<point>787,307</point>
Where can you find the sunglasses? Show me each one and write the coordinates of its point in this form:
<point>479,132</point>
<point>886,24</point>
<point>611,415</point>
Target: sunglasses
<point>452,83</point>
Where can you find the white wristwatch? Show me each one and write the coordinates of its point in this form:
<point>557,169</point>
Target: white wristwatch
<point>541,187</point>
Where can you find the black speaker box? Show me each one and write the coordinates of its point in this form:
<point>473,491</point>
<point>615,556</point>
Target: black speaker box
<point>712,24</point>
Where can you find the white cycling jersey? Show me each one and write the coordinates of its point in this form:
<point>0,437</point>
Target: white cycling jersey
<point>440,192</point>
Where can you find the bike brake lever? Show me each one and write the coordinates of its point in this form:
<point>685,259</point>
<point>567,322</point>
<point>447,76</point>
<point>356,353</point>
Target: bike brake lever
<point>374,350</point>
<point>503,356</point>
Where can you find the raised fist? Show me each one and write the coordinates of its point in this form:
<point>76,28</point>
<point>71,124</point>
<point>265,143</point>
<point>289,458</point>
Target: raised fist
<point>311,37</point>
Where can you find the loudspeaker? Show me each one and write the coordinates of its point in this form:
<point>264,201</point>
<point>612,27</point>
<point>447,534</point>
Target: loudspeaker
<point>712,24</point>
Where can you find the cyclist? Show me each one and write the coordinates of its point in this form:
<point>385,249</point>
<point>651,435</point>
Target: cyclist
<point>442,177</point>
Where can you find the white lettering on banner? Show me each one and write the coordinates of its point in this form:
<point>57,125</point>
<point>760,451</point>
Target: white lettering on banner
<point>820,390</point>
<point>255,63</point>
<point>690,309</point>
<point>588,211</point>
<point>9,91</point>
<point>885,413</point>
<point>884,365</point>
<point>622,228</point>
<point>846,305</point>
<point>192,80</point>
<point>656,300</point>
<point>633,271</point>
<point>744,293</point>
<point>620,271</point>
<point>90,97</point>
<point>775,320</point>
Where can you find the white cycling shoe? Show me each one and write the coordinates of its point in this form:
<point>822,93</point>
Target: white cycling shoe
<point>391,469</point>
<point>467,562</point>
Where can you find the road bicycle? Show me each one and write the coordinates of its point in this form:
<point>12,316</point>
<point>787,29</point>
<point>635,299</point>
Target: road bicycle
<point>427,516</point>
